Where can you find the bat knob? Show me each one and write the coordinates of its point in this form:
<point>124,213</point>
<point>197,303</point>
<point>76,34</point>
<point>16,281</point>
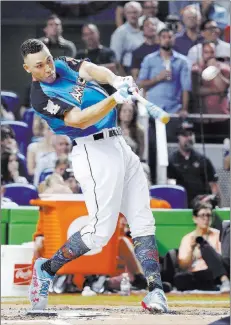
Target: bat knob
<point>164,118</point>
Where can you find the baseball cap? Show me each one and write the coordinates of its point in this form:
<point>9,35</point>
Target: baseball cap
<point>185,127</point>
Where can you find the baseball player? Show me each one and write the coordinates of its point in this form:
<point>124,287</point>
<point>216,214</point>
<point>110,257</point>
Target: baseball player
<point>67,94</point>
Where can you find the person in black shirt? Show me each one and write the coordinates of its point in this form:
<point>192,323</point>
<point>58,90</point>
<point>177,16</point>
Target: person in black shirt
<point>54,40</point>
<point>97,53</point>
<point>150,45</point>
<point>191,169</point>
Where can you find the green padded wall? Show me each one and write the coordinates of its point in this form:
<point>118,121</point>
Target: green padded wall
<point>171,225</point>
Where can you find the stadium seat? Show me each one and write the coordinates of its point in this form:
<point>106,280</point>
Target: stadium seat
<point>28,118</point>
<point>45,173</point>
<point>10,100</point>
<point>21,133</point>
<point>174,194</point>
<point>20,193</point>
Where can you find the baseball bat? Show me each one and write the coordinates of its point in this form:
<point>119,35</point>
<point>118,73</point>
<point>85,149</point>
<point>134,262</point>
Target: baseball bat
<point>154,110</point>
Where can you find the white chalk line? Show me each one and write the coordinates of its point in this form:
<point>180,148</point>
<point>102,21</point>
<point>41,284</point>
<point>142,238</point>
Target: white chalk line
<point>48,322</point>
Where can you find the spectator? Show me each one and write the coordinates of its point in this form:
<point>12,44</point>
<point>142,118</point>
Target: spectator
<point>150,45</point>
<point>5,114</point>
<point>54,184</point>
<point>61,165</point>
<point>150,10</point>
<point>189,36</point>
<point>62,146</point>
<point>132,132</point>
<point>127,37</point>
<point>190,169</point>
<point>211,93</point>
<point>119,12</point>
<point>165,75</point>
<point>200,255</point>
<point>38,150</point>
<point>177,7</point>
<point>215,11</point>
<point>10,169</point>
<point>96,52</point>
<point>8,143</point>
<point>210,33</point>
<point>71,182</point>
<point>38,127</point>
<point>54,40</point>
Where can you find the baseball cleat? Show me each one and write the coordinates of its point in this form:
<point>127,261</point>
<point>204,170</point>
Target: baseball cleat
<point>155,301</point>
<point>39,287</point>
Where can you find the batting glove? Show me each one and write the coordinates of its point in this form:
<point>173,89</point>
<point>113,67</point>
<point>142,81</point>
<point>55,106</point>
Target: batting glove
<point>121,82</point>
<point>122,96</point>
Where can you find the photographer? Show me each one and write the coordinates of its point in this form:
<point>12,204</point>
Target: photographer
<point>200,255</point>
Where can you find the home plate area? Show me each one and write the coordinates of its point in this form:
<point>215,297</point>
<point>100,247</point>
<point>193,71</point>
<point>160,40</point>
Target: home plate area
<point>108,315</point>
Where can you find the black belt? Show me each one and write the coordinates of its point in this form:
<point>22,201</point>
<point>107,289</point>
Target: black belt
<point>101,135</point>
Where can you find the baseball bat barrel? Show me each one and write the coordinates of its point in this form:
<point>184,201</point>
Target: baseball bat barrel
<point>155,111</point>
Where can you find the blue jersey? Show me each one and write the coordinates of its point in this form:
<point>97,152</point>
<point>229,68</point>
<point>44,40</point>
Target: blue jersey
<point>51,101</point>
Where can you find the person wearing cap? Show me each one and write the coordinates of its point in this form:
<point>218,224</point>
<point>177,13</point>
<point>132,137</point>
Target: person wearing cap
<point>187,166</point>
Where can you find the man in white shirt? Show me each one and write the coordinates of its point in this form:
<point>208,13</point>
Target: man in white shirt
<point>210,32</point>
<point>127,37</point>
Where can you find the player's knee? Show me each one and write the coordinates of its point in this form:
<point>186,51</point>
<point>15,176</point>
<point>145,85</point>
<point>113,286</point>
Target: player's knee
<point>94,241</point>
<point>145,229</point>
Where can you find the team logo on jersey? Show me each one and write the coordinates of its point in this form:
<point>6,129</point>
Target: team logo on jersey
<point>78,90</point>
<point>51,107</point>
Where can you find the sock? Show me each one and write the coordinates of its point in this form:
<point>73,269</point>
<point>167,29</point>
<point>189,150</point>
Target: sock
<point>72,249</point>
<point>147,254</point>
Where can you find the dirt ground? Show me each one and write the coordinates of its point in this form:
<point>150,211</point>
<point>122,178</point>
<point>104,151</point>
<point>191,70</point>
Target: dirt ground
<point>109,315</point>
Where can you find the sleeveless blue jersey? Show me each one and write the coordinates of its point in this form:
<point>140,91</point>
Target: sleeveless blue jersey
<point>51,101</point>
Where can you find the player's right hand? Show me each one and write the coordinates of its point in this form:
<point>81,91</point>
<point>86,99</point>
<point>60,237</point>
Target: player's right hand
<point>123,95</point>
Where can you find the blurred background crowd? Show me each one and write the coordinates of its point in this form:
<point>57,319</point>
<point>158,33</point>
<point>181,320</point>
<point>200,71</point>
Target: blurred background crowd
<point>165,46</point>
<point>177,51</point>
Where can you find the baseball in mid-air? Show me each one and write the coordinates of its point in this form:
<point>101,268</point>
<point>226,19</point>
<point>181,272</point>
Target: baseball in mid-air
<point>210,73</point>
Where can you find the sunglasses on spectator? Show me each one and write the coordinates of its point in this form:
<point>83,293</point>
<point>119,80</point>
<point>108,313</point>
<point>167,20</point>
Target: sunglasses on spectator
<point>205,215</point>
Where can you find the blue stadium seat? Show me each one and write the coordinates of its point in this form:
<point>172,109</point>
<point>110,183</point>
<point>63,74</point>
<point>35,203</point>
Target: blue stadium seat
<point>174,194</point>
<point>20,193</point>
<point>45,173</point>
<point>10,100</point>
<point>21,133</point>
<point>28,118</point>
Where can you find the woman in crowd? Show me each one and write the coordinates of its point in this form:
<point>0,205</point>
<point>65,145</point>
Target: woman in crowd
<point>200,255</point>
<point>36,150</point>
<point>132,132</point>
<point>10,168</point>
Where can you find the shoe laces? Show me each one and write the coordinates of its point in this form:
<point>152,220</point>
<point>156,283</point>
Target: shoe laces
<point>44,288</point>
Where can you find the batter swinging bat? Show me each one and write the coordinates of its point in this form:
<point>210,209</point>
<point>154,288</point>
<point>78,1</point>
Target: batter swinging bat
<point>153,110</point>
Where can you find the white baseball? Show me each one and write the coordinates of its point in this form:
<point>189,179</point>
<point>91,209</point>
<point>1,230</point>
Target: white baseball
<point>210,73</point>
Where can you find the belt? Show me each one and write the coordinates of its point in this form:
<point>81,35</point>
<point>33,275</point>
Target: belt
<point>102,135</point>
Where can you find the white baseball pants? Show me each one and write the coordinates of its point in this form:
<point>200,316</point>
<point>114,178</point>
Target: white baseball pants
<point>112,180</point>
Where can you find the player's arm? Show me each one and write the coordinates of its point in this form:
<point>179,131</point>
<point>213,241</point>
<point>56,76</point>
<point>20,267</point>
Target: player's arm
<point>90,71</point>
<point>93,114</point>
<point>90,115</point>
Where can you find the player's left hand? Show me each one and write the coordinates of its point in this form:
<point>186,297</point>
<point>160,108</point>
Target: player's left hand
<point>122,82</point>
